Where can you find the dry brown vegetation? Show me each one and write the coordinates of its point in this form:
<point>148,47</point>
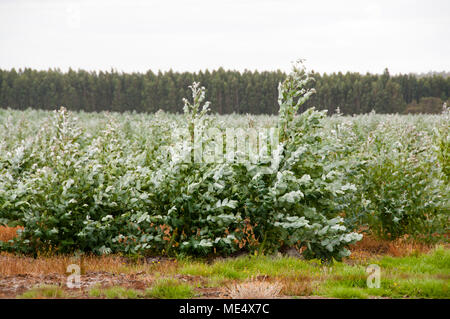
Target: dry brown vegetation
<point>299,285</point>
<point>371,246</point>
<point>14,265</point>
<point>8,233</point>
<point>253,289</point>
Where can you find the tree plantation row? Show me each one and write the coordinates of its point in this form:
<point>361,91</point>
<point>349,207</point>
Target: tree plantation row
<point>229,91</point>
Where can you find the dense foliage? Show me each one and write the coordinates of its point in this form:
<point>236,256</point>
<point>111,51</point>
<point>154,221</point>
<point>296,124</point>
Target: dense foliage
<point>115,183</point>
<point>229,91</point>
<point>400,166</point>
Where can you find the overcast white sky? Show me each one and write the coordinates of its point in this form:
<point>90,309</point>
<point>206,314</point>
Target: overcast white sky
<point>405,36</point>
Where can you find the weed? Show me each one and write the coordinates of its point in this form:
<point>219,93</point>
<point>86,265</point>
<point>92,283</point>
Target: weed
<point>168,288</point>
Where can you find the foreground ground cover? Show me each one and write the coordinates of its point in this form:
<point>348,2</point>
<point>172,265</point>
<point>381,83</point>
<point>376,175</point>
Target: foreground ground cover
<point>407,271</point>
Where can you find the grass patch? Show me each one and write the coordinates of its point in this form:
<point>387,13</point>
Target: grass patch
<point>420,288</point>
<point>168,288</point>
<point>95,292</point>
<point>121,293</point>
<point>43,292</point>
<point>347,293</point>
<point>299,285</point>
<point>436,262</point>
<point>250,266</point>
<point>216,281</point>
<point>348,276</point>
<point>414,276</point>
<point>116,292</point>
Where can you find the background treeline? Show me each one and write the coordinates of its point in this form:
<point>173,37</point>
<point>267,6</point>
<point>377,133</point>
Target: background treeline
<point>229,91</point>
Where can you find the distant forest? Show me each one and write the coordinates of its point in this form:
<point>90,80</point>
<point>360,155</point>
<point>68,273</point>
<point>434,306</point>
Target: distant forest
<point>229,91</point>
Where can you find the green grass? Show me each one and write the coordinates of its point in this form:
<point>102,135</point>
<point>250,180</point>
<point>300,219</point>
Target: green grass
<point>43,291</point>
<point>435,263</point>
<point>249,266</point>
<point>120,293</point>
<point>116,292</point>
<point>420,276</point>
<point>170,289</point>
<point>95,292</point>
<point>420,288</point>
<point>216,281</point>
<point>346,293</point>
<point>412,288</point>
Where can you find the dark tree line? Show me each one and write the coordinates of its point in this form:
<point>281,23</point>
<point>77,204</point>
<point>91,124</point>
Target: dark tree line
<point>229,91</point>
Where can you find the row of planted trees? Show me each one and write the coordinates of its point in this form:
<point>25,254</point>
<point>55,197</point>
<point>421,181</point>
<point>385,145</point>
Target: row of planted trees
<point>229,91</point>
